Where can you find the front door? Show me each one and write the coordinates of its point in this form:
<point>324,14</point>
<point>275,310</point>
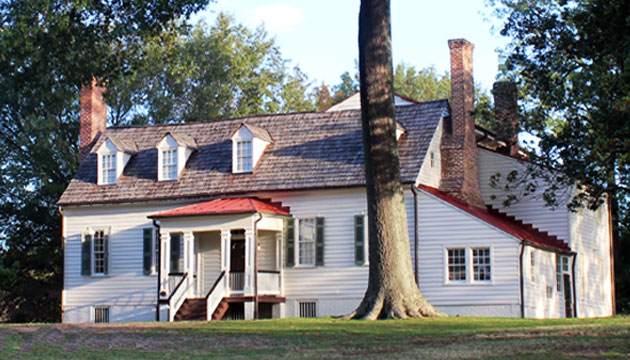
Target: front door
<point>568,299</point>
<point>237,265</point>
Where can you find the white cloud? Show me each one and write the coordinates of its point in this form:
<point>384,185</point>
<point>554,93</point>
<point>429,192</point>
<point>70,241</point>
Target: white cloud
<point>279,17</point>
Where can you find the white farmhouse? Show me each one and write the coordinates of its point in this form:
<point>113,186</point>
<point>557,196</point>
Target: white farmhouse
<point>265,217</point>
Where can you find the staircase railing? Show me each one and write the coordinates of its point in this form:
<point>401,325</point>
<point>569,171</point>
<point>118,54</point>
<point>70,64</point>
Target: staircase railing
<point>237,280</point>
<point>215,295</point>
<point>177,297</point>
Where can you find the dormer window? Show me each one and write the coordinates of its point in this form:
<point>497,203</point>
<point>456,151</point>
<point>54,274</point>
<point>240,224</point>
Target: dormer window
<point>108,162</point>
<point>113,154</point>
<point>173,152</point>
<point>169,164</point>
<point>244,156</point>
<point>248,145</point>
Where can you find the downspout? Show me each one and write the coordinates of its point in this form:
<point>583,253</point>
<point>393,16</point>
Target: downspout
<point>158,264</point>
<point>415,234</point>
<point>260,216</point>
<point>520,270</point>
<point>573,285</point>
<point>63,256</point>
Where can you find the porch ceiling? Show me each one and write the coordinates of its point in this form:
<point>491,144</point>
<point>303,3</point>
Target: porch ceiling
<point>227,206</point>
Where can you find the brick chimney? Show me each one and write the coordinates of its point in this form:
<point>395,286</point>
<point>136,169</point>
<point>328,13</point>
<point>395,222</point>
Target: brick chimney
<point>93,117</point>
<point>505,106</point>
<point>459,146</point>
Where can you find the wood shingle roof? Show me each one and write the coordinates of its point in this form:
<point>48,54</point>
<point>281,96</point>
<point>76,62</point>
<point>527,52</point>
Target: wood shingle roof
<point>312,150</point>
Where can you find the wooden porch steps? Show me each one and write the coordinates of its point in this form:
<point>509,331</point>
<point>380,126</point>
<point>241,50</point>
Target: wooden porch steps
<point>192,309</point>
<point>220,311</point>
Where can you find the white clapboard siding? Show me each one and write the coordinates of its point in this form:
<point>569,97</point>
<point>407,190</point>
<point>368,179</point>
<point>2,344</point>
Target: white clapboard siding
<point>530,209</point>
<point>210,249</point>
<point>339,278</point>
<point>590,240</point>
<point>542,299</point>
<point>267,250</point>
<point>431,175</point>
<point>443,226</point>
<point>126,285</point>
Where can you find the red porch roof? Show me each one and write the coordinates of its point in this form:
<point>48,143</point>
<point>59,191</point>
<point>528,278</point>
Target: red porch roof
<point>227,206</point>
<point>504,222</point>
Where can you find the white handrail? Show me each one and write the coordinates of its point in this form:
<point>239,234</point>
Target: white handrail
<point>216,294</point>
<point>178,297</point>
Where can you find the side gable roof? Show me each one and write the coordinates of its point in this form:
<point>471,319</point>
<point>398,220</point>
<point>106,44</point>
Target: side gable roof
<point>508,224</point>
<point>312,150</point>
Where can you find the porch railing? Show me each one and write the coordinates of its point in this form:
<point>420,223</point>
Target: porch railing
<point>269,282</point>
<point>237,281</point>
<point>178,295</point>
<point>215,295</point>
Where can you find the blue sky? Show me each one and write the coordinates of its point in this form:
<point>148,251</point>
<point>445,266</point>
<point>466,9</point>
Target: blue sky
<point>321,36</point>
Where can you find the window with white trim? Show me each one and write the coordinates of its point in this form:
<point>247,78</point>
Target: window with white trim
<point>306,242</point>
<point>562,268</point>
<point>457,264</point>
<point>244,155</point>
<point>99,251</point>
<point>482,268</point>
<point>169,164</point>
<point>108,168</point>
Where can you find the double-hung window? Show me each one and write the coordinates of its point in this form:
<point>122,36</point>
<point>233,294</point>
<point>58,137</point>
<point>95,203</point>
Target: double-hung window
<point>481,264</point>
<point>244,155</point>
<point>562,268</point>
<point>467,265</point>
<point>151,251</point>
<point>99,253</point>
<point>169,164</point>
<point>457,264</point>
<point>108,168</point>
<point>306,242</point>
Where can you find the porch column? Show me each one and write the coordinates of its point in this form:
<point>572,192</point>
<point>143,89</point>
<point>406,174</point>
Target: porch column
<point>189,248</point>
<point>225,250</point>
<point>249,272</point>
<point>164,263</point>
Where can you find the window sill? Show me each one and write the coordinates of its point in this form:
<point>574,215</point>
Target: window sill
<point>304,266</point>
<point>466,283</point>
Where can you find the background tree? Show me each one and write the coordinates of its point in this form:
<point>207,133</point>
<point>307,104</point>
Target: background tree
<point>391,292</point>
<point>571,60</point>
<point>208,72</point>
<point>48,49</point>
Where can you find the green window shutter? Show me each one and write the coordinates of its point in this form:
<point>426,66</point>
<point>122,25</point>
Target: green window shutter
<point>359,240</point>
<point>86,255</point>
<point>319,241</point>
<point>289,232</point>
<point>175,252</point>
<point>106,248</point>
<point>147,250</point>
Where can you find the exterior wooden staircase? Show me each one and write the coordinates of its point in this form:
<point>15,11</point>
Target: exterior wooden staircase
<point>192,309</point>
<point>220,311</point>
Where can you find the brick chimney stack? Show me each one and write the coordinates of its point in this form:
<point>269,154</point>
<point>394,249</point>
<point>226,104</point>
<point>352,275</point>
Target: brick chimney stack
<point>93,117</point>
<point>505,108</point>
<point>459,146</point>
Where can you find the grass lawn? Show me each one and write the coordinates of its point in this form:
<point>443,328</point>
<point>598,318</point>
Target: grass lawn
<point>445,338</point>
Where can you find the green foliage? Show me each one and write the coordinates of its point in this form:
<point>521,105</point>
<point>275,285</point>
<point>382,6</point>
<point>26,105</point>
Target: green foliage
<point>572,61</point>
<point>48,49</point>
<point>205,73</point>
<point>421,85</point>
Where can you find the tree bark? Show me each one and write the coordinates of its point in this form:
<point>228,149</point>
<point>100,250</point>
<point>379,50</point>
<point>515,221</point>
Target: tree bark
<point>391,292</point>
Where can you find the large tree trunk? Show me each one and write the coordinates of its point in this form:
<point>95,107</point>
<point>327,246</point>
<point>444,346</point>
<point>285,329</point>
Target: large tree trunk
<point>391,292</point>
